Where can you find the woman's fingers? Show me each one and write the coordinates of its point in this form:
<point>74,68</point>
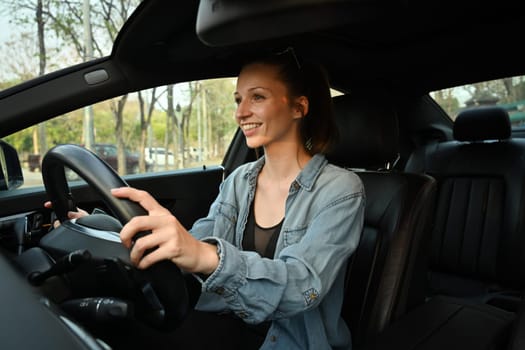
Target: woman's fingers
<point>141,197</point>
<point>156,251</point>
<point>70,214</point>
<point>163,243</point>
<point>77,214</point>
<point>134,226</point>
<point>145,223</point>
<point>140,246</point>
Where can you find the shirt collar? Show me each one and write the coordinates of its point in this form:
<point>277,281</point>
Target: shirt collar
<point>311,171</point>
<point>306,177</point>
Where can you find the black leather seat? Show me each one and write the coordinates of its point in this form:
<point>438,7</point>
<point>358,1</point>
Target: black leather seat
<point>517,334</point>
<point>478,245</point>
<point>384,278</point>
<point>476,265</point>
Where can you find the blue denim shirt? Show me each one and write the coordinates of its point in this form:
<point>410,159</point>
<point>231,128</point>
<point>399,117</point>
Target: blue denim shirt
<point>301,289</point>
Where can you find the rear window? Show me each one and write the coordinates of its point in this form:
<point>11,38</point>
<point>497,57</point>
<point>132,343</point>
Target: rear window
<point>508,93</point>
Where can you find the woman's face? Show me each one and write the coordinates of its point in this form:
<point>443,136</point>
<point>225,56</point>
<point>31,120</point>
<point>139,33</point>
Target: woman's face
<point>264,111</point>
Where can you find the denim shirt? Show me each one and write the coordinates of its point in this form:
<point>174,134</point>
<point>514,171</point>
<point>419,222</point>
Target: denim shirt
<point>301,289</point>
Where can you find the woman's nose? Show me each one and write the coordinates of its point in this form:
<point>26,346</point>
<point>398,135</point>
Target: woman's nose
<point>242,110</point>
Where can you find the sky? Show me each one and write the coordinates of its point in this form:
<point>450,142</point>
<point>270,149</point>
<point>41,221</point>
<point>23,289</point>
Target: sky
<point>4,28</point>
<point>4,22</point>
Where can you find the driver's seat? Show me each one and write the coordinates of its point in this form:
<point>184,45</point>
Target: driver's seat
<point>386,274</point>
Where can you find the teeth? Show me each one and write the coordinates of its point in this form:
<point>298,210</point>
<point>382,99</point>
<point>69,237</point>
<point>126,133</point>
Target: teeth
<point>250,126</point>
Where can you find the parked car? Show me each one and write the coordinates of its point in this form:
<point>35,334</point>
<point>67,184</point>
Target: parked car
<point>107,152</point>
<point>429,100</point>
<point>159,158</point>
<point>34,162</point>
<point>194,153</point>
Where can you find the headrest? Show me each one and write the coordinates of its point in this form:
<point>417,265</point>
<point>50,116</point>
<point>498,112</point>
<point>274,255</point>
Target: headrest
<point>368,132</point>
<point>482,123</point>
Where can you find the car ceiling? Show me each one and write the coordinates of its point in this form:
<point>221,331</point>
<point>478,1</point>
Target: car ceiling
<point>407,45</point>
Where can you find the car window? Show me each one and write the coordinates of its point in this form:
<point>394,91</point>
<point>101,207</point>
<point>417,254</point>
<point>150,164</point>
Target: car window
<point>45,36</point>
<point>173,127</point>
<point>508,93</point>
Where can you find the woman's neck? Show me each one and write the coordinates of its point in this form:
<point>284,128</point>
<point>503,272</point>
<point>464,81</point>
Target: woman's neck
<point>285,164</point>
<point>273,183</point>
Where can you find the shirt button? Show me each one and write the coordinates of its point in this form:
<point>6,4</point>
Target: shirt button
<point>273,338</point>
<point>295,186</point>
<point>219,290</point>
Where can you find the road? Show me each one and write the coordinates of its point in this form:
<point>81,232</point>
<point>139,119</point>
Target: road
<point>31,178</point>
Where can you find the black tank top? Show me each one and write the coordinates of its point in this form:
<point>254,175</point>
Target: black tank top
<point>260,239</point>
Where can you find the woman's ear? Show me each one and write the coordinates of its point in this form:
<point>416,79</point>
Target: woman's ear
<point>301,104</point>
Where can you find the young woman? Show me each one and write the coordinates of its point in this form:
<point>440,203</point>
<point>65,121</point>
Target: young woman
<point>273,249</point>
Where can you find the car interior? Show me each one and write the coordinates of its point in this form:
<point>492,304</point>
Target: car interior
<point>441,260</point>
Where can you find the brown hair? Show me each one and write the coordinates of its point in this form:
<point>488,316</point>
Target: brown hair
<point>318,129</point>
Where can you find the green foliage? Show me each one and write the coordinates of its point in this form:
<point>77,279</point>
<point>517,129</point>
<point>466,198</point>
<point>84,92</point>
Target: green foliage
<point>64,129</point>
<point>9,83</point>
<point>519,88</point>
<point>209,102</point>
<point>447,100</point>
<point>216,126</point>
<point>219,123</point>
<point>22,141</point>
<point>507,92</point>
<point>158,127</point>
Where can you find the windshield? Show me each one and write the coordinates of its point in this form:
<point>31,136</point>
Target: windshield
<point>47,35</point>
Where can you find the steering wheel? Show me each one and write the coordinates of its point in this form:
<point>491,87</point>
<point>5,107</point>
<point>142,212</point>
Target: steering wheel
<point>160,291</point>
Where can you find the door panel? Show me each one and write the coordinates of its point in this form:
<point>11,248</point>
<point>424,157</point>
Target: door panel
<point>187,193</point>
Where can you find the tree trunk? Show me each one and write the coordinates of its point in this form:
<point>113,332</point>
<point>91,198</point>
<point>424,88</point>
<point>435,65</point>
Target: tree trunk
<point>118,112</point>
<point>39,18</point>
<point>143,133</point>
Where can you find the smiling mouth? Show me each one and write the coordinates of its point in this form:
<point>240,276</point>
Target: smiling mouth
<point>250,126</point>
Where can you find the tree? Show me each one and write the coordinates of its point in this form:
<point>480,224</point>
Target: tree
<point>117,109</point>
<point>194,88</point>
<point>178,116</point>
<point>495,92</point>
<point>65,19</point>
<point>146,113</point>
<point>23,68</point>
<point>447,100</point>
<point>220,108</point>
<point>107,16</point>
<point>519,88</point>
<point>35,7</point>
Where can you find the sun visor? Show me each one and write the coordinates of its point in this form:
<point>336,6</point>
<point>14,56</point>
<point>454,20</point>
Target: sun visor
<point>230,22</point>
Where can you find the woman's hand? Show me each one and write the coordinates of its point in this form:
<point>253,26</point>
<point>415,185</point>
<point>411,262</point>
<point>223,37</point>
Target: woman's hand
<point>168,239</point>
<point>70,214</point>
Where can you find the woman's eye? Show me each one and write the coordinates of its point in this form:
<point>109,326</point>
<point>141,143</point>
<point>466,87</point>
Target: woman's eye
<point>257,97</point>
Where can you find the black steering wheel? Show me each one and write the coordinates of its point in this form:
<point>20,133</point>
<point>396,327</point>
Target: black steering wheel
<point>160,291</point>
